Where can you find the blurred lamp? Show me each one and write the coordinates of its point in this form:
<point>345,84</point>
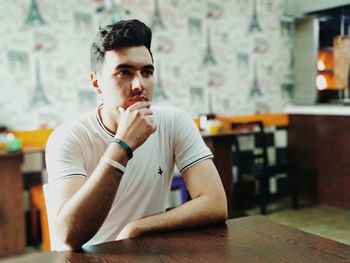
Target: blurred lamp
<point>321,82</point>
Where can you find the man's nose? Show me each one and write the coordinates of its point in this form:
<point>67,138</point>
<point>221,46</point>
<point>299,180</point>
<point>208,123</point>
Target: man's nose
<point>137,82</point>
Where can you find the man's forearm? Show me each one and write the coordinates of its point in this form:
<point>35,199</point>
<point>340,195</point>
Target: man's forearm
<point>208,204</point>
<point>82,216</point>
<point>197,212</point>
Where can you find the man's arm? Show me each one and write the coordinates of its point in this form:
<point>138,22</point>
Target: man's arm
<point>208,205</point>
<point>81,205</point>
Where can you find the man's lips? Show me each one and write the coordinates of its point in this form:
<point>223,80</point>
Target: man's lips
<point>133,100</point>
<point>138,98</point>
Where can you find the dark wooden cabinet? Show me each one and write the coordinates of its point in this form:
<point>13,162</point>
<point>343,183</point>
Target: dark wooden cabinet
<point>320,147</point>
<point>12,232</point>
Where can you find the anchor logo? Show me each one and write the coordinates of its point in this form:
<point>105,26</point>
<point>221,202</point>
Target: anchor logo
<point>160,171</point>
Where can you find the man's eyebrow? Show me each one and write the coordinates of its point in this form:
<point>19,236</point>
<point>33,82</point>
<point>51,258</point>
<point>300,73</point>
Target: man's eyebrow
<point>127,66</point>
<point>149,67</point>
<point>124,66</point>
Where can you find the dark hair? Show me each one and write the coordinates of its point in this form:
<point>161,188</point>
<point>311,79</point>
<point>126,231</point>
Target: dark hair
<point>123,34</point>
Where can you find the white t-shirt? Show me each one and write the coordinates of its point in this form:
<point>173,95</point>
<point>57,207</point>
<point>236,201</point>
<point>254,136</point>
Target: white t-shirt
<point>75,148</point>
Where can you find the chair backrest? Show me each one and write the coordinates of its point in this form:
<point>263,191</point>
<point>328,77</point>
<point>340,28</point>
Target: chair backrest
<point>250,146</point>
<point>55,244</point>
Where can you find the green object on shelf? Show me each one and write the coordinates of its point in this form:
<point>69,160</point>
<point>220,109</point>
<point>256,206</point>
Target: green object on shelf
<point>14,145</point>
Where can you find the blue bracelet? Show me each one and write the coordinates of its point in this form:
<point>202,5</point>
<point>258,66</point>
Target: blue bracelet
<point>124,146</point>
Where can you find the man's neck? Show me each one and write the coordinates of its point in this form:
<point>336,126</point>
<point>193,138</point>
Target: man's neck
<point>109,119</point>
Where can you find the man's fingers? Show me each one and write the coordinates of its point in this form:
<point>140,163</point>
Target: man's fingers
<point>139,105</point>
<point>146,111</point>
<point>149,118</point>
<point>121,110</point>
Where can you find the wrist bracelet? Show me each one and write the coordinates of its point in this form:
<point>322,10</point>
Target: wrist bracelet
<point>113,163</point>
<point>124,146</point>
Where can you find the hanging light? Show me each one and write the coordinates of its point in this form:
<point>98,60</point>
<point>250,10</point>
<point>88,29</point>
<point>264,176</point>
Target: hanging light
<point>321,65</point>
<point>321,82</point>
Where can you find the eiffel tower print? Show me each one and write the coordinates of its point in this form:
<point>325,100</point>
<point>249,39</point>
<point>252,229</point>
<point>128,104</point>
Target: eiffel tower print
<point>34,17</point>
<point>18,60</point>
<point>255,88</point>
<point>210,100</point>
<point>39,98</point>
<point>159,94</point>
<point>209,56</point>
<point>254,22</point>
<point>157,20</point>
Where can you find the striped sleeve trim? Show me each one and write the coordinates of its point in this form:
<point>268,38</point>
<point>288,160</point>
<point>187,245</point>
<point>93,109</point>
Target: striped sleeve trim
<point>70,175</point>
<point>197,161</point>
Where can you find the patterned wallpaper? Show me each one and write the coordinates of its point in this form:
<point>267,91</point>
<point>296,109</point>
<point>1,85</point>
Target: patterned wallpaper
<point>231,57</point>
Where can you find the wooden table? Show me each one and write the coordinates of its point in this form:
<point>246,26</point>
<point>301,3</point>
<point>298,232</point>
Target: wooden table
<point>12,235</point>
<point>220,145</point>
<point>248,239</point>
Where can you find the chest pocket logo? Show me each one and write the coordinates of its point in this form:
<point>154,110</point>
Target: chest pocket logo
<point>160,171</point>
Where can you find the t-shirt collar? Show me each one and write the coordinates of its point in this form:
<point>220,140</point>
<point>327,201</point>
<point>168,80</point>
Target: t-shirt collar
<point>99,120</point>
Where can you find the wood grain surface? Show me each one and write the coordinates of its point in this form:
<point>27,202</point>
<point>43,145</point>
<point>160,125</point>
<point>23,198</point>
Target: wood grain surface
<point>12,236</point>
<point>248,239</point>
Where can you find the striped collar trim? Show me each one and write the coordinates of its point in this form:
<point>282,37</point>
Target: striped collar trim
<point>101,123</point>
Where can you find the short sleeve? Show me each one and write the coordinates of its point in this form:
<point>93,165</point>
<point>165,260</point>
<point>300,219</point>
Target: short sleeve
<point>64,156</point>
<point>188,143</point>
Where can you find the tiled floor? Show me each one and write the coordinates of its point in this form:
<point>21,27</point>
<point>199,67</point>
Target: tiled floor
<point>29,250</point>
<point>326,221</point>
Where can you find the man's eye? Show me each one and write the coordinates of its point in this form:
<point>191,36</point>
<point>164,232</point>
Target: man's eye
<point>147,73</point>
<point>124,73</point>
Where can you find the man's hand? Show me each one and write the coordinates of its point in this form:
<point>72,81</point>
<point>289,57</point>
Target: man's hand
<point>135,124</point>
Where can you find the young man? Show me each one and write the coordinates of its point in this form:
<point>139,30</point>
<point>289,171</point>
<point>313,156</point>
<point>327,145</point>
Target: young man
<point>110,171</point>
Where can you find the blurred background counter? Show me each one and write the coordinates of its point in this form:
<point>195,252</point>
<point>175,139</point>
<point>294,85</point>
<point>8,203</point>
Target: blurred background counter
<point>319,142</point>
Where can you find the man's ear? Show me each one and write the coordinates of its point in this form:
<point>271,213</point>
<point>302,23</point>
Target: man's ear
<point>94,82</point>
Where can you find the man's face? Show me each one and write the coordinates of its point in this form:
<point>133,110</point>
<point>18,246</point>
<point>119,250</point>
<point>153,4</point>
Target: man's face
<point>126,77</point>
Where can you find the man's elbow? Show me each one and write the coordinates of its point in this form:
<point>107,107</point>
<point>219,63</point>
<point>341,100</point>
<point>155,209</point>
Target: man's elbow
<point>222,213</point>
<point>219,211</point>
<point>223,207</point>
<point>69,237</point>
<point>73,244</point>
